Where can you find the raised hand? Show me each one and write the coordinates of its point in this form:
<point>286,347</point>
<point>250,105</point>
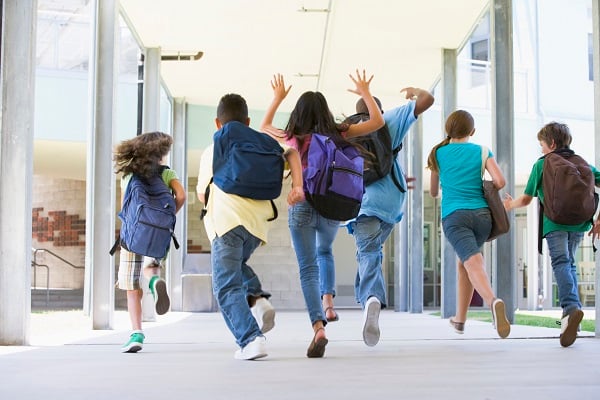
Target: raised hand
<point>278,85</point>
<point>411,92</point>
<point>361,82</point>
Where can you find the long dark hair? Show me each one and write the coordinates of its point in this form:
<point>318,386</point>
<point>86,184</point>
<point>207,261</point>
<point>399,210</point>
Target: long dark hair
<point>311,114</point>
<point>142,154</point>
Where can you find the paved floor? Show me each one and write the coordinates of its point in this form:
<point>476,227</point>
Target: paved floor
<point>190,356</point>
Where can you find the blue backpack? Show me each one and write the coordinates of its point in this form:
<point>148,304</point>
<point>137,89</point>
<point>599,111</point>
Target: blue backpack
<point>246,163</point>
<point>148,217</point>
<point>333,179</point>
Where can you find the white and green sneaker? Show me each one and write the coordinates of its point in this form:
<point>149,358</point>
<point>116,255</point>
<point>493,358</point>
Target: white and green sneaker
<point>158,287</point>
<point>135,343</point>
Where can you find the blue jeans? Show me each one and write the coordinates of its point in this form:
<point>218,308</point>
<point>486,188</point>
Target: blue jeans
<point>234,280</point>
<point>312,237</point>
<point>370,233</point>
<point>562,247</point>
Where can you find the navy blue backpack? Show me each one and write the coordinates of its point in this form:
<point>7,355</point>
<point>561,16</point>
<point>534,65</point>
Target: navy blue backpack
<point>148,218</point>
<point>247,163</point>
<point>333,179</point>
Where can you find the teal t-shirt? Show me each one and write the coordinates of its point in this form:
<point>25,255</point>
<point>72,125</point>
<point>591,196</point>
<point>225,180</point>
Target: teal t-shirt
<point>534,189</point>
<point>460,177</point>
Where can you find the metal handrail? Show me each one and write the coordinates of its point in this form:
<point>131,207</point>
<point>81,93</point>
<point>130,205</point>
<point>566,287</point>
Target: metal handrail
<point>35,251</point>
<point>35,265</point>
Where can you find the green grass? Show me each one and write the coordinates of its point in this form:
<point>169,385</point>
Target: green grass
<point>529,320</point>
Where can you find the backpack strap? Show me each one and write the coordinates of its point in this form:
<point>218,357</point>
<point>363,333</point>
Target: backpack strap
<point>117,243</point>
<point>540,225</point>
<point>115,246</point>
<point>396,180</point>
<point>207,194</point>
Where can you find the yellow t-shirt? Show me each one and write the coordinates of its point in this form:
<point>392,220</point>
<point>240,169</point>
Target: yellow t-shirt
<point>226,211</point>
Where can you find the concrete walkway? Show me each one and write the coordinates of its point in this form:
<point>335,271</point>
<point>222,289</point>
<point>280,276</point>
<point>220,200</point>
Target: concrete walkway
<point>190,356</point>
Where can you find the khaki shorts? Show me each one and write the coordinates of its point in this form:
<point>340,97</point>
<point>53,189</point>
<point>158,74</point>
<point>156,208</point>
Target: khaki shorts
<point>130,269</point>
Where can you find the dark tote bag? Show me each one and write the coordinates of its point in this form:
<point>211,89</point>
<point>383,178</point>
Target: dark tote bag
<point>500,223</point>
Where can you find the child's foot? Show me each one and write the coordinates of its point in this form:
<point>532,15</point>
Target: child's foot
<point>134,344</point>
<point>264,313</point>
<point>254,350</point>
<point>158,287</point>
<point>459,327</point>
<point>331,315</point>
<point>371,321</point>
<point>316,349</point>
<point>568,327</point>
<point>499,316</point>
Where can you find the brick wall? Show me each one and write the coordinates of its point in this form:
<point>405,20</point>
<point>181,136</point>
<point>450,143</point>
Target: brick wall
<point>58,225</point>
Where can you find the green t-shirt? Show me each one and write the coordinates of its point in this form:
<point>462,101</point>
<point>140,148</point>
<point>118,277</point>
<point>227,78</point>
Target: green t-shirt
<point>534,189</point>
<point>167,175</point>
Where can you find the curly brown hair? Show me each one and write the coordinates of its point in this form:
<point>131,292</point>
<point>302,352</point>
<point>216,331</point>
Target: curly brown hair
<point>142,154</point>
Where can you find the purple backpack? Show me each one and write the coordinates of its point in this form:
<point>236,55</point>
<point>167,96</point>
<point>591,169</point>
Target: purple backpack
<point>333,178</point>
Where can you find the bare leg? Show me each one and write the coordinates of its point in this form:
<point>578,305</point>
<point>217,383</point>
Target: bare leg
<point>319,329</point>
<point>151,270</point>
<point>465,293</point>
<point>134,306</point>
<point>475,269</point>
<point>328,306</point>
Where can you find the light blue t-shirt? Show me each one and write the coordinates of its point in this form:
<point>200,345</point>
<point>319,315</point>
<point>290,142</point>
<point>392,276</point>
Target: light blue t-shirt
<point>382,198</point>
<point>460,177</point>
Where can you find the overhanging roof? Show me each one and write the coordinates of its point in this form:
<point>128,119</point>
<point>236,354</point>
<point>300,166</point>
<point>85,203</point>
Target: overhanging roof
<point>314,43</point>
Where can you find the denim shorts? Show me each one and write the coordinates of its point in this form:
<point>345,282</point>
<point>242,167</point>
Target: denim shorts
<point>467,231</point>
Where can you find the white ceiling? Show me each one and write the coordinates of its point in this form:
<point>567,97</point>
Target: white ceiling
<point>246,41</point>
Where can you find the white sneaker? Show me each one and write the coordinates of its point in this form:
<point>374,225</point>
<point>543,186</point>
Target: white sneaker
<point>253,350</point>
<point>371,321</point>
<point>568,327</point>
<point>264,313</point>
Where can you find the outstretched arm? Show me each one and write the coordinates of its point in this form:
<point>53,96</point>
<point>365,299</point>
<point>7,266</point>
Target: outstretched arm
<point>279,93</point>
<point>521,201</point>
<point>423,98</point>
<point>376,120</point>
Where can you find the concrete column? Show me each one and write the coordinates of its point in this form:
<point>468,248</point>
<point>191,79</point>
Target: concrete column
<point>150,122</point>
<point>17,83</point>
<point>596,35</point>
<point>100,186</point>
<point>401,265</point>
<point>503,142</point>
<point>179,164</point>
<point>401,246</point>
<point>415,237</point>
<point>151,104</point>
<point>449,260</point>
